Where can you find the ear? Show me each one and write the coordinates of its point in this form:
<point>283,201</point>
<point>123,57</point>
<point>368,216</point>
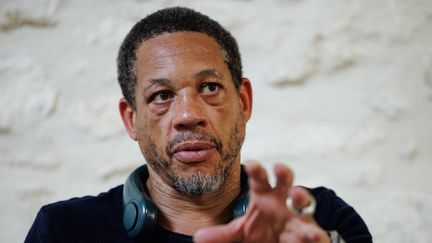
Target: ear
<point>128,113</point>
<point>245,98</point>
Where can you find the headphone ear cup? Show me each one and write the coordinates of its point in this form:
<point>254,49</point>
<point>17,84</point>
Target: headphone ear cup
<point>241,205</point>
<point>139,217</point>
<point>131,218</point>
<point>139,212</point>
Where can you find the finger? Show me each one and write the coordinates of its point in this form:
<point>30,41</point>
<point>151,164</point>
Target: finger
<point>226,233</point>
<point>300,199</point>
<point>284,180</point>
<point>288,237</point>
<point>256,228</point>
<point>307,232</point>
<point>258,180</point>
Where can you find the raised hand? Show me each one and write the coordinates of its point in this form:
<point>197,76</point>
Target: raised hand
<point>268,218</point>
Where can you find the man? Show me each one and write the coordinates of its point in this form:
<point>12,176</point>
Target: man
<point>186,103</point>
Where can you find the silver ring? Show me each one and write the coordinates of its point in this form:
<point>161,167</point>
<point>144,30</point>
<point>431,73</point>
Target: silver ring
<point>308,210</point>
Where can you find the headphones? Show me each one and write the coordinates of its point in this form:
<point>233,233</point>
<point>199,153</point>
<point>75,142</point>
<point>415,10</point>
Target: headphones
<point>140,213</point>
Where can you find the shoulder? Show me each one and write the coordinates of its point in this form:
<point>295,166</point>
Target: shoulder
<point>79,218</point>
<point>333,213</point>
<point>87,204</point>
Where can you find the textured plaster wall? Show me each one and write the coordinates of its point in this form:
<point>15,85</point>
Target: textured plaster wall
<point>343,94</point>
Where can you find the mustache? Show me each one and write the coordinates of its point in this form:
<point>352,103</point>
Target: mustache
<point>184,137</point>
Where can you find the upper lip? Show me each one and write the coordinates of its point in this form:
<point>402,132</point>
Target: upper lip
<point>193,146</point>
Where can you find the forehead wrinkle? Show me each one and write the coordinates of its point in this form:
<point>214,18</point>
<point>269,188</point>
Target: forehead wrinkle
<point>159,55</point>
<point>167,50</point>
<point>161,47</point>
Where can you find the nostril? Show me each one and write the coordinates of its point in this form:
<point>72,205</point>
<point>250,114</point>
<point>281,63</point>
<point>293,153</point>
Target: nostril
<point>190,124</point>
<point>182,127</point>
<point>200,123</point>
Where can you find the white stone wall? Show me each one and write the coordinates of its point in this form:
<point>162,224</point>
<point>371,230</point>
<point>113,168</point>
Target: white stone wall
<point>342,88</point>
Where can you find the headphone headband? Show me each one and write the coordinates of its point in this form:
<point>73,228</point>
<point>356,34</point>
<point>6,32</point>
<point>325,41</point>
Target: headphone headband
<point>140,213</point>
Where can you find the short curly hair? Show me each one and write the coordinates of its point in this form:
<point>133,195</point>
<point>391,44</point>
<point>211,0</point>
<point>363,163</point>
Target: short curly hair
<point>171,20</point>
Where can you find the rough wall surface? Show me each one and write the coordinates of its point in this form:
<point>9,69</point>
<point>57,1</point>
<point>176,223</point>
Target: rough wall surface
<point>343,94</point>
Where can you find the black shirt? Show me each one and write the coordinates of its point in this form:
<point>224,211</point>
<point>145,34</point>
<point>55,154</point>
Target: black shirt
<point>99,219</point>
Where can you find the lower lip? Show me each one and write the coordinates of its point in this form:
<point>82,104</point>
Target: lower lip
<point>194,156</point>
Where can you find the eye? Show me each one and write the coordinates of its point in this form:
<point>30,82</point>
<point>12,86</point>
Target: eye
<point>210,88</point>
<point>161,97</point>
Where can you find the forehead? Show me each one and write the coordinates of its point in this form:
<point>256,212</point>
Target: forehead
<point>174,49</point>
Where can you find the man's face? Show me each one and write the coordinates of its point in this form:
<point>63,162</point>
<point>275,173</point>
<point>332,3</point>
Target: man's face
<point>189,119</point>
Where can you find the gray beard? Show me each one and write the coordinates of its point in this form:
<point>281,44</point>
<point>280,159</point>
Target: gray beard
<point>199,183</point>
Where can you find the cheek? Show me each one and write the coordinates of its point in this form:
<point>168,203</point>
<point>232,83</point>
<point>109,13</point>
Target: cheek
<point>144,127</point>
<point>150,141</point>
<point>224,119</point>
<point>152,129</point>
<point>158,110</point>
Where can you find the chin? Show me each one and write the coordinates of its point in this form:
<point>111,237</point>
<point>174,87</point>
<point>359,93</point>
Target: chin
<point>199,181</point>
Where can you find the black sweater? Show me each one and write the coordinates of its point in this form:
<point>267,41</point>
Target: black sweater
<point>99,219</point>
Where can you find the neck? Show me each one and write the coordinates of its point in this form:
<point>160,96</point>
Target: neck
<point>185,214</point>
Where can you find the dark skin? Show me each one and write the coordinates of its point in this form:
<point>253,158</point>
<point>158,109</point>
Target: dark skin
<point>184,87</point>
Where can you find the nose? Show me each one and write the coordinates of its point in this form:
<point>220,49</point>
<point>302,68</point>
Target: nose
<point>189,113</point>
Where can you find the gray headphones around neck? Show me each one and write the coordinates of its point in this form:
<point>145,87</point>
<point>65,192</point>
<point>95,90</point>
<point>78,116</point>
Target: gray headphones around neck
<point>140,213</point>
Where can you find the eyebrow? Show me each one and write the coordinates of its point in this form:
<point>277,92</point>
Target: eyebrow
<point>158,81</point>
<point>199,75</point>
<point>208,72</point>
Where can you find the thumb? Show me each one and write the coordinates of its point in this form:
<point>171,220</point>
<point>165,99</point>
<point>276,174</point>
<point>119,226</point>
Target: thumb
<point>226,233</point>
